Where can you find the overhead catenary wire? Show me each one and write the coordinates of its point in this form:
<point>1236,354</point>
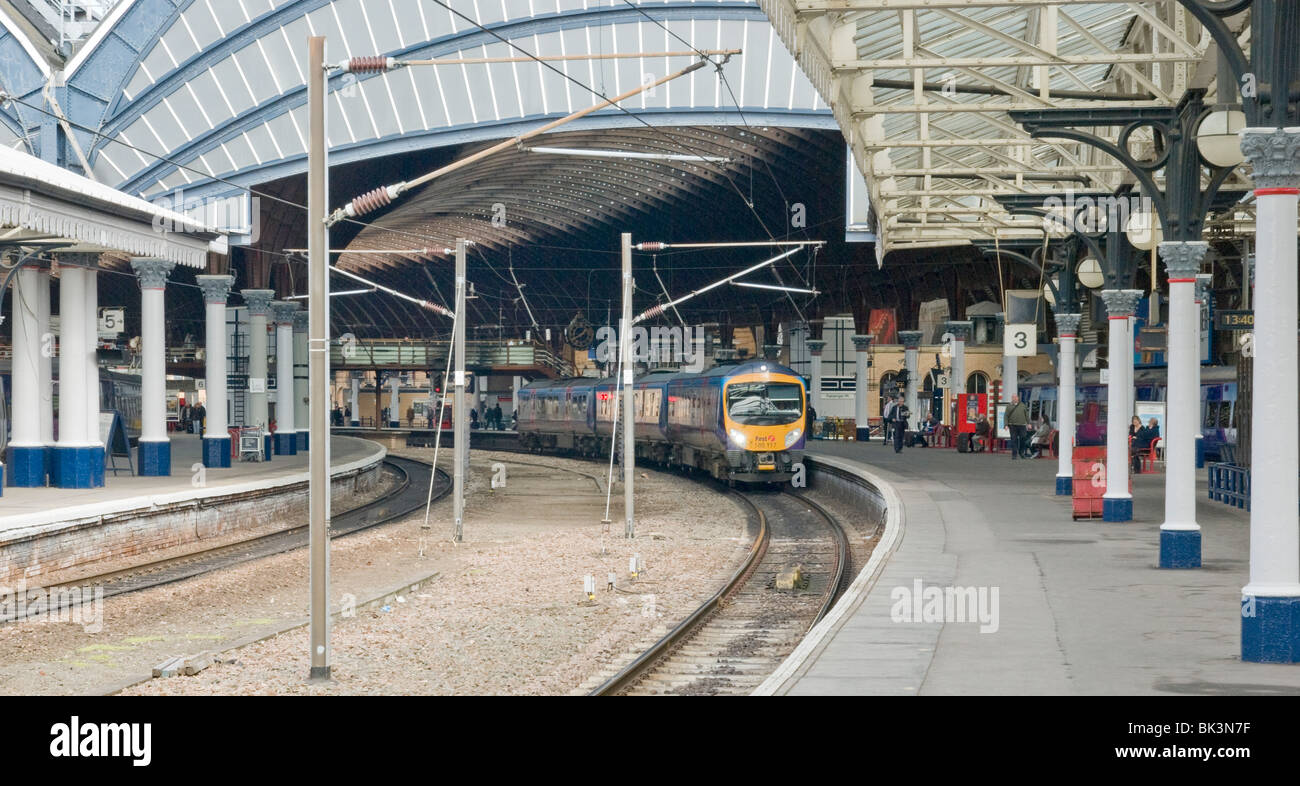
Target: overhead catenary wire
<point>382,197</point>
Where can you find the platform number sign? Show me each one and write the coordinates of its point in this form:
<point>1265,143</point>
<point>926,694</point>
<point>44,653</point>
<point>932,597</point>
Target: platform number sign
<point>1020,340</point>
<point>112,321</point>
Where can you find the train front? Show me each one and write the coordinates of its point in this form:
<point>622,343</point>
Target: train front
<point>763,415</point>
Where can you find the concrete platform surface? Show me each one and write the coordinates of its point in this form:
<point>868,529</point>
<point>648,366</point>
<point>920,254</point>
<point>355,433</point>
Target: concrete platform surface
<point>23,508</point>
<point>1082,607</point>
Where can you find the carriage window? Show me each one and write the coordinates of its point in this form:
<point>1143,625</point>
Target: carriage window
<point>1211,414</point>
<point>1225,414</point>
<point>764,403</point>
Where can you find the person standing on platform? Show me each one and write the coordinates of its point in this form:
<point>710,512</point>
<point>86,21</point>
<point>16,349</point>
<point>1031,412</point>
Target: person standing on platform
<point>1017,422</point>
<point>886,419</point>
<point>201,416</point>
<point>901,414</point>
<point>812,421</point>
<point>496,417</point>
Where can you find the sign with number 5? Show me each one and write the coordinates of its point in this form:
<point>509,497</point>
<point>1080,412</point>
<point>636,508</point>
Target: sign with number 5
<point>1020,340</point>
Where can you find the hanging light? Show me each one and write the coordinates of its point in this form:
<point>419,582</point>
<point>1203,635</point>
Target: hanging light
<point>1089,273</point>
<point>1144,231</point>
<point>1217,139</point>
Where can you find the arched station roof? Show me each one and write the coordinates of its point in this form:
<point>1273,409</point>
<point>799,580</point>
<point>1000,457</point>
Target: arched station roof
<point>223,92</point>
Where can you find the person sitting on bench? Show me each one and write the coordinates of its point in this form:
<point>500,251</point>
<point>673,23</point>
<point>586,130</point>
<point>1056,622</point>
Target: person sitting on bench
<point>922,438</point>
<point>1041,439</point>
<point>982,432</point>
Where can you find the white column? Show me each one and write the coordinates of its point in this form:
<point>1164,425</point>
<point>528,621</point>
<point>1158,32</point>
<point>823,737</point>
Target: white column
<point>1010,370</point>
<point>1180,535</point>
<point>46,367</point>
<point>355,419</point>
<point>517,383</point>
<point>911,340</point>
<point>155,447</point>
<point>1067,330</point>
<point>286,433</point>
<point>301,383</point>
<point>71,452</point>
<point>1121,304</point>
<point>1269,608</point>
<point>861,346</point>
<point>216,434</point>
<point>815,347</point>
<point>26,449</point>
<point>394,393</point>
<point>91,396</point>
<point>960,332</point>
<point>259,308</point>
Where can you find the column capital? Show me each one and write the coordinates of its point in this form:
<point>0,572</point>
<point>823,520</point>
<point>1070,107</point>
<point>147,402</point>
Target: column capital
<point>1121,302</point>
<point>1068,324</point>
<point>1274,154</point>
<point>152,272</point>
<point>1183,258</point>
<point>1001,317</point>
<point>910,339</point>
<point>284,311</point>
<point>771,351</point>
<point>258,301</point>
<point>216,289</point>
<point>300,321</point>
<point>816,346</point>
<point>79,259</point>
<point>1204,283</point>
<point>861,343</point>
<point>961,331</point>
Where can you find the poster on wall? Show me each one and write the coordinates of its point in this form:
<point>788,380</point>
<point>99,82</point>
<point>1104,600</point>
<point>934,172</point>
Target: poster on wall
<point>173,406</point>
<point>883,324</point>
<point>1003,431</point>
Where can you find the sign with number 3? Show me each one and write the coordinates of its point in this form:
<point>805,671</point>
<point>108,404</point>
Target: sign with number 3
<point>1020,340</point>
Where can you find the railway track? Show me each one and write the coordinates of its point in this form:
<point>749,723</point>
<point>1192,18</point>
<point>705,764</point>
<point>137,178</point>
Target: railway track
<point>407,496</point>
<point>740,635</point>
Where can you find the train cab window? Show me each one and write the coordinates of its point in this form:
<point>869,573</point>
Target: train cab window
<point>764,403</point>
<point>1225,414</point>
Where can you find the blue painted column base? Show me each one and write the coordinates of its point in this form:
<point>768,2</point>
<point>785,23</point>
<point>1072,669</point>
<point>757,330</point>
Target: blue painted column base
<point>1180,548</point>
<point>863,435</point>
<point>267,450</point>
<point>97,467</point>
<point>27,467</point>
<point>286,444</point>
<point>2,480</point>
<point>216,452</point>
<point>1065,487</point>
<point>1270,629</point>
<point>75,466</point>
<point>304,441</point>
<point>394,424</point>
<point>155,459</point>
<point>1117,509</point>
<point>354,423</point>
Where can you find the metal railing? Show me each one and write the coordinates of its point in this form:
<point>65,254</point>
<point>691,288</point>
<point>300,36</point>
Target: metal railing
<point>399,353</point>
<point>1229,484</point>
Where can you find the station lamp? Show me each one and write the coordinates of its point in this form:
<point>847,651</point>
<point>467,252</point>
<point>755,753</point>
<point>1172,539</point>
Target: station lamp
<point>1144,231</point>
<point>1217,139</point>
<point>1089,273</point>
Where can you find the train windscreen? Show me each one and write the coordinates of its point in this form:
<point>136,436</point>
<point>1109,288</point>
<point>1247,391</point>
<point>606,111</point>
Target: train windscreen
<point>764,403</point>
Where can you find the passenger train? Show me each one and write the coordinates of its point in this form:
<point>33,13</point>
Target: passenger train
<point>739,421</point>
<point>117,391</point>
<point>1218,403</point>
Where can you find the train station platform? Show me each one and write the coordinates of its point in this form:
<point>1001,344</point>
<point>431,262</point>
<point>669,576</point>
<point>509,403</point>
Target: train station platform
<point>46,531</point>
<point>1080,606</point>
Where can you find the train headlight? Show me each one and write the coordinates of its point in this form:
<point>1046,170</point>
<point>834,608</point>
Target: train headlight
<point>737,437</point>
<point>793,436</point>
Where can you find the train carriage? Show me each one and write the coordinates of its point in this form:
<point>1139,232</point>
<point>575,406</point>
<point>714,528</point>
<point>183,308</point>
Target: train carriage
<point>739,422</point>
